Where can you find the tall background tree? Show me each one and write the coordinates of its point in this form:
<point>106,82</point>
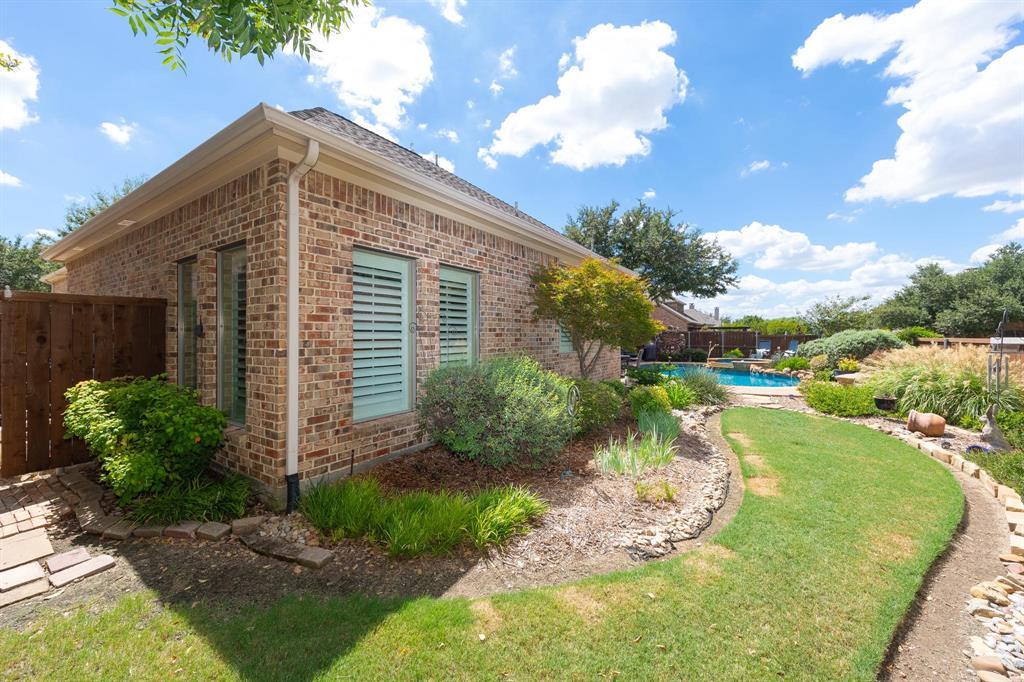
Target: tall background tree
<point>598,306</point>
<point>78,213</point>
<point>22,264</point>
<point>673,257</point>
<point>837,313</point>
<point>235,28</point>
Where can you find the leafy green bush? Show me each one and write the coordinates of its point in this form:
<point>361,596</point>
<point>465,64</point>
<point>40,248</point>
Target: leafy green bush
<point>1005,467</point>
<point>419,522</point>
<point>649,399</point>
<point>823,375</point>
<point>818,362</point>
<point>734,353</point>
<point>912,334</point>
<point>955,392</point>
<point>646,376</point>
<point>497,412</point>
<point>599,405</point>
<point>852,343</point>
<point>1012,426</point>
<point>705,386</point>
<point>840,400</point>
<point>201,499</point>
<point>634,455</point>
<point>794,363</point>
<point>616,386</point>
<point>146,433</point>
<point>693,355</point>
<point>848,365</point>
<point>662,425</point>
<point>679,394</point>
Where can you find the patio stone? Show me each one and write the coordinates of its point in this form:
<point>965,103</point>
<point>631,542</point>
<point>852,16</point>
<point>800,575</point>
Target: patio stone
<point>314,557</point>
<point>19,575</point>
<point>82,570</point>
<point>212,530</point>
<point>58,562</point>
<point>121,530</point>
<point>149,530</point>
<point>32,589</point>
<point>1003,492</point>
<point>24,547</point>
<point>970,468</point>
<point>275,547</point>
<point>185,530</point>
<point>99,524</point>
<point>249,524</point>
<point>1015,520</point>
<point>1017,545</point>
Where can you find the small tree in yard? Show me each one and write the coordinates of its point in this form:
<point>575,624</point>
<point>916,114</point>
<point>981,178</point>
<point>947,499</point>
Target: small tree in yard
<point>597,306</point>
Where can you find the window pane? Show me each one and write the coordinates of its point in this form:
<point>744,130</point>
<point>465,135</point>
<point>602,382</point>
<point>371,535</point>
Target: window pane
<point>458,317</point>
<point>188,371</point>
<point>231,304</point>
<point>564,340</point>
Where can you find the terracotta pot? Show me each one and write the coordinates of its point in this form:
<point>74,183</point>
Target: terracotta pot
<point>926,423</point>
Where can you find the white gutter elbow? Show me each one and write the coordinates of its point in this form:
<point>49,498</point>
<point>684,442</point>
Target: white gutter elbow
<point>292,352</point>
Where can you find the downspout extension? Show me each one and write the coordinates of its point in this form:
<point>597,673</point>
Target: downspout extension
<point>292,385</point>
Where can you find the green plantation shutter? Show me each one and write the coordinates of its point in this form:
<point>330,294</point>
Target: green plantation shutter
<point>458,301</point>
<point>564,340</point>
<point>381,335</point>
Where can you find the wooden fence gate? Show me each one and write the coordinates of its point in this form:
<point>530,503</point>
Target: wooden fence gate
<point>50,342</point>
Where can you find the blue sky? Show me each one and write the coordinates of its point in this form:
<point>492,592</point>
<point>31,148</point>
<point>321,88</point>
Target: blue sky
<point>756,121</point>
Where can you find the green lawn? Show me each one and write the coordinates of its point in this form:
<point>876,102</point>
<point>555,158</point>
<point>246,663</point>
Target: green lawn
<point>809,581</point>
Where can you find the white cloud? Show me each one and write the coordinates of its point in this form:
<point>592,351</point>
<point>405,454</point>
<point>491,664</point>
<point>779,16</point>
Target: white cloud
<point>756,167</point>
<point>486,123</point>
<point>507,64</point>
<point>778,248</point>
<point>119,133</point>
<point>650,193</point>
<point>470,104</point>
<point>377,66</point>
<point>450,9</point>
<point>8,180</point>
<point>434,157</point>
<point>620,86</point>
<point>1011,234</point>
<point>17,89</point>
<point>495,87</point>
<point>449,134</point>
<point>486,158</point>
<point>563,61</point>
<point>40,233</point>
<point>421,126</point>
<point>961,129</point>
<point>845,217</point>
<point>1005,206</point>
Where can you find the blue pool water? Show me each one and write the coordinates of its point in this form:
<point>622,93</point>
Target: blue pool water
<point>728,377</point>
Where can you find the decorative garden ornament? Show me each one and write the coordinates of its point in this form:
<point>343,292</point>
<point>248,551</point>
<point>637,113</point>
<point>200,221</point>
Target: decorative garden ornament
<point>998,379</point>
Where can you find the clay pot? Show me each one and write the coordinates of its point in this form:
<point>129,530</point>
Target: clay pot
<point>926,423</point>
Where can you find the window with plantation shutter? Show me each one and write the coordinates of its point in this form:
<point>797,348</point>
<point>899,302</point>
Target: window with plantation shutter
<point>564,340</point>
<point>458,312</point>
<point>382,340</point>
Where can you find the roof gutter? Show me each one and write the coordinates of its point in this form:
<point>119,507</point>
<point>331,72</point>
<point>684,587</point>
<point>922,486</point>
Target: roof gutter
<point>292,384</point>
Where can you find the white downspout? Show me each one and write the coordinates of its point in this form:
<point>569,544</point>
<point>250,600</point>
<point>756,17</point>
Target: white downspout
<point>292,384</point>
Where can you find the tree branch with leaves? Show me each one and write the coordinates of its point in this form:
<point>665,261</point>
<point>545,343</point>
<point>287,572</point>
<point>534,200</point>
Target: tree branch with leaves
<point>597,305</point>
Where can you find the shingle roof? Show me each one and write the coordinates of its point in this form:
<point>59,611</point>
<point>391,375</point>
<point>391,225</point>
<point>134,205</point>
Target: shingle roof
<point>371,141</point>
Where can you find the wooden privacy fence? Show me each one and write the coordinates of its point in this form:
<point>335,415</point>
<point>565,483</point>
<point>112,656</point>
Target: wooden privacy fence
<point>50,342</point>
<point>673,341</point>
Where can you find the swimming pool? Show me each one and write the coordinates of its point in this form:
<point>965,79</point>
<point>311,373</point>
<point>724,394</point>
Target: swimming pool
<point>728,377</point>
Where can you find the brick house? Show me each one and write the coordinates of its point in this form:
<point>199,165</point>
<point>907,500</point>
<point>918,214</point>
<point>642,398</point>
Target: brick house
<point>399,266</point>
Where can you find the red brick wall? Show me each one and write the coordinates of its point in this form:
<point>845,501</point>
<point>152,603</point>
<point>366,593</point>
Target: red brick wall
<point>335,216</point>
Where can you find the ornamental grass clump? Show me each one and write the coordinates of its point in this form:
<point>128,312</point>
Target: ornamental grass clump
<point>635,454</point>
<point>704,384</point>
<point>201,499</point>
<point>679,394</point>
<point>661,425</point>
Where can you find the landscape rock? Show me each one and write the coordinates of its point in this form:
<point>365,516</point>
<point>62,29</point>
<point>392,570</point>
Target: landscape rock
<point>184,530</point>
<point>212,530</point>
<point>249,524</point>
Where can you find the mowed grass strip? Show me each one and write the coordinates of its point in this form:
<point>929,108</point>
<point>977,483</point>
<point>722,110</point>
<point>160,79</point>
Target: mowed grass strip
<point>808,582</point>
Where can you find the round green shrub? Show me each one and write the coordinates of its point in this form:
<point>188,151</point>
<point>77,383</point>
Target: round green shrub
<point>497,412</point>
<point>649,398</point>
<point>615,385</point>
<point>646,376</point>
<point>599,405</point>
<point>146,433</point>
<point>912,334</point>
<point>794,363</point>
<point>848,365</point>
<point>840,400</point>
<point>852,343</point>
<point>818,362</point>
<point>734,353</point>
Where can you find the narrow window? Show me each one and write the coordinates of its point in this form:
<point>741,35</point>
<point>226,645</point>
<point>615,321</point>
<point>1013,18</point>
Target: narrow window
<point>382,339</point>
<point>231,346</point>
<point>458,303</point>
<point>564,340</point>
<point>188,371</point>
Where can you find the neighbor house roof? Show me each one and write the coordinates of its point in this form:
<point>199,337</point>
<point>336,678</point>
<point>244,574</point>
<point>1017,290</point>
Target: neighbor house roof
<point>692,314</point>
<point>346,149</point>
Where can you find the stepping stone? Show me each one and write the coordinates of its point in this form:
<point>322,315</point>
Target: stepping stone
<point>249,524</point>
<point>99,524</point>
<point>185,530</point>
<point>150,530</point>
<point>1016,544</point>
<point>121,530</point>
<point>24,547</point>
<point>58,562</point>
<point>970,468</point>
<point>82,570</point>
<point>314,557</point>
<point>275,547</point>
<point>19,575</point>
<point>32,589</point>
<point>212,530</point>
